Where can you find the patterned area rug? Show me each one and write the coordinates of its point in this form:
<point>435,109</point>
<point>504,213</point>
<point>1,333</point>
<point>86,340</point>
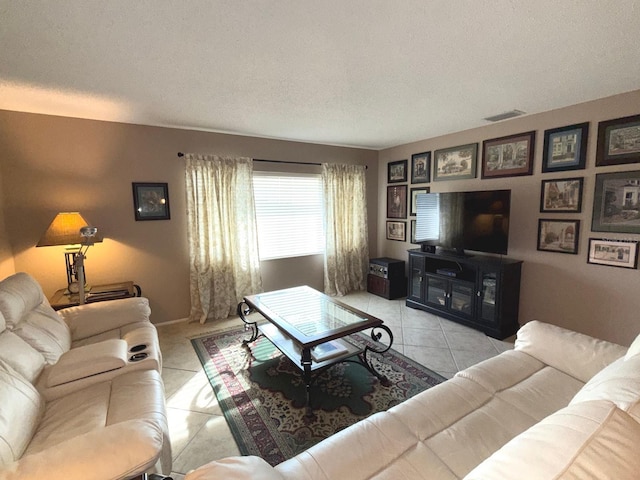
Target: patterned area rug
<point>262,393</point>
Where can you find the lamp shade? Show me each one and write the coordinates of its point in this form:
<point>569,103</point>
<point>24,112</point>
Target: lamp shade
<point>65,230</point>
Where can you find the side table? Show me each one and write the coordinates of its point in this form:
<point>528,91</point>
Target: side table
<point>97,293</point>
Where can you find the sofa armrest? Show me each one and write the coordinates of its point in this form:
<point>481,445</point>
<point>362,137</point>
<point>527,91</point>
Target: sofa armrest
<point>122,450</point>
<point>573,353</point>
<point>96,318</point>
<point>236,468</point>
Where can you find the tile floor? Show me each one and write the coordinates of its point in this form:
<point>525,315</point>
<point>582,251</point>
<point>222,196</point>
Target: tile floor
<point>199,432</point>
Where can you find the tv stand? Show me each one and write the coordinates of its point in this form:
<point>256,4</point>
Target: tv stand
<point>478,291</point>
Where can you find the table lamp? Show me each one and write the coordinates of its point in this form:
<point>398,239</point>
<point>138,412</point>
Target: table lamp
<point>72,230</point>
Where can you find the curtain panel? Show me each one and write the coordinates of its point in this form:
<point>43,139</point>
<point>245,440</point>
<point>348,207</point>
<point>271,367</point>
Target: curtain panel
<point>346,259</point>
<point>222,235</point>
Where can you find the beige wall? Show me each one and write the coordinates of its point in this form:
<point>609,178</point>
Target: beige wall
<point>7,265</point>
<point>50,164</point>
<point>557,288</point>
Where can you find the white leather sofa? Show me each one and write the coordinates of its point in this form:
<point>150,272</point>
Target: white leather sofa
<point>560,405</point>
<point>81,394</point>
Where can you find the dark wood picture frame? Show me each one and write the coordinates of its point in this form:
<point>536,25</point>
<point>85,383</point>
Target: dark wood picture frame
<point>509,156</point>
<point>616,202</point>
<point>421,167</point>
<point>613,253</point>
<point>561,195</point>
<point>561,236</point>
<point>413,232</point>
<point>455,163</point>
<point>397,171</point>
<point>397,231</point>
<point>412,198</point>
<point>565,148</point>
<point>397,201</point>
<point>618,141</point>
<point>151,201</point>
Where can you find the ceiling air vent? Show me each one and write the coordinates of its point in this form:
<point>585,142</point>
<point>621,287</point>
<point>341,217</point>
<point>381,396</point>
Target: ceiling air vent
<point>505,115</point>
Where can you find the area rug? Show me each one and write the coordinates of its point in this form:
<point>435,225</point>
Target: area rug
<point>262,393</point>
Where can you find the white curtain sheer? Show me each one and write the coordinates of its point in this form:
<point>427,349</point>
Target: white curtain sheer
<point>222,234</point>
<point>346,259</point>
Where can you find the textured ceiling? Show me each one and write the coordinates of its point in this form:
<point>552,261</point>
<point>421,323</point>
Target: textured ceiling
<point>365,73</point>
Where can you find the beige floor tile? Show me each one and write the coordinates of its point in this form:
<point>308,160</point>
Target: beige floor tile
<point>196,394</point>
<point>183,426</point>
<point>436,359</point>
<point>423,337</point>
<point>174,379</point>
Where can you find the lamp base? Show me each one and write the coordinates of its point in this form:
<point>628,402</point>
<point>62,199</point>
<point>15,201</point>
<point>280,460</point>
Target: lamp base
<point>74,288</point>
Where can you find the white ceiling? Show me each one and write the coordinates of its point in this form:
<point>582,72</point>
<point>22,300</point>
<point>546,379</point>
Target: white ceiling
<point>365,73</point>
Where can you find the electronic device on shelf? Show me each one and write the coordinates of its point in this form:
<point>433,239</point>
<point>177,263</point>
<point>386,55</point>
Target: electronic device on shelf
<point>459,221</point>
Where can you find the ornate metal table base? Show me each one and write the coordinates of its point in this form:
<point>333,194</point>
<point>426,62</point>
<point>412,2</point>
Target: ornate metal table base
<point>306,361</point>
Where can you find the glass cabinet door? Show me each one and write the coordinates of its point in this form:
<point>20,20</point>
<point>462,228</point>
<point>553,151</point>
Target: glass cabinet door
<point>488,295</point>
<point>416,272</point>
<point>437,291</point>
<point>462,297</point>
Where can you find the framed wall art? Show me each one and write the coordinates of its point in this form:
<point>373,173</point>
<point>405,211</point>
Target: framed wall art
<point>558,235</point>
<point>618,141</point>
<point>420,167</point>
<point>412,199</point>
<point>413,232</point>
<point>456,163</point>
<point>614,253</point>
<point>508,156</point>
<point>565,148</point>
<point>616,202</point>
<point>397,201</point>
<point>151,201</point>
<point>396,231</point>
<point>561,195</point>
<point>397,171</point>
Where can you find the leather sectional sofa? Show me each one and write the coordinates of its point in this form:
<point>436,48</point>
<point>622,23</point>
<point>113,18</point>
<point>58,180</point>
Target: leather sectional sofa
<point>81,394</point>
<point>560,405</point>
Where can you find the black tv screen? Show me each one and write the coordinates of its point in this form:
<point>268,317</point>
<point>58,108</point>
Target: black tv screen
<point>459,221</point>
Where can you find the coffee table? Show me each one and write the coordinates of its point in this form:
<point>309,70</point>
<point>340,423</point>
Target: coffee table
<point>301,322</point>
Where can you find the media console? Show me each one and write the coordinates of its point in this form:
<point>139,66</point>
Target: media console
<point>478,291</point>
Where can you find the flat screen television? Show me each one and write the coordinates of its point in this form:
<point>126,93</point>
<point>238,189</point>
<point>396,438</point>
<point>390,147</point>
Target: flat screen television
<point>459,221</point>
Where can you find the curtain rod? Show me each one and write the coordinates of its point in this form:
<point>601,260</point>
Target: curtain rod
<point>180,154</point>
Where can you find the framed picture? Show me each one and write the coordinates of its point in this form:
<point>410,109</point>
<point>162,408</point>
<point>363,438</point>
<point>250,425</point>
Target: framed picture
<point>508,156</point>
<point>420,167</point>
<point>413,232</point>
<point>616,202</point>
<point>558,235</point>
<point>397,201</point>
<point>396,231</point>
<point>615,253</point>
<point>151,201</point>
<point>561,195</point>
<point>397,171</point>
<point>618,141</point>
<point>456,163</point>
<point>565,148</point>
<point>412,199</point>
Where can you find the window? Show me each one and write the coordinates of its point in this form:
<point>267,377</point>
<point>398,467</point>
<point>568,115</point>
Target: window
<point>289,214</point>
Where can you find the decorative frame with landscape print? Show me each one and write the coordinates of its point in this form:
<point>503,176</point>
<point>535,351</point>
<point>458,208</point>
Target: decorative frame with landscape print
<point>397,171</point>
<point>616,202</point>
<point>565,148</point>
<point>420,167</point>
<point>618,141</point>
<point>456,163</point>
<point>562,195</point>
<point>397,231</point>
<point>397,201</point>
<point>614,253</point>
<point>509,156</point>
<point>560,236</point>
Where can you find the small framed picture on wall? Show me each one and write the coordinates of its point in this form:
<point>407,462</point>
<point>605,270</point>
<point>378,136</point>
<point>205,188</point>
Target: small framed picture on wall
<point>614,253</point>
<point>397,171</point>
<point>151,201</point>
<point>397,201</point>
<point>560,236</point>
<point>420,167</point>
<point>396,231</point>
<point>561,195</point>
<point>565,148</point>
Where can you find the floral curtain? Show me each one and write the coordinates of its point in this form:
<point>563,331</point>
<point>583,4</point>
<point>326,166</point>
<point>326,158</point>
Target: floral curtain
<point>346,259</point>
<point>222,235</point>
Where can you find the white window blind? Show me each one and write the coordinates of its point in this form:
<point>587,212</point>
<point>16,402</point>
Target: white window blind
<point>289,214</point>
<point>428,217</point>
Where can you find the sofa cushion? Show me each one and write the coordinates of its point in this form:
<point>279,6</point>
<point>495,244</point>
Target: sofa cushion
<point>237,468</point>
<point>619,383</point>
<point>45,331</point>
<point>19,402</point>
<point>586,440</point>
<point>19,293</point>
<point>573,353</point>
<point>21,356</point>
